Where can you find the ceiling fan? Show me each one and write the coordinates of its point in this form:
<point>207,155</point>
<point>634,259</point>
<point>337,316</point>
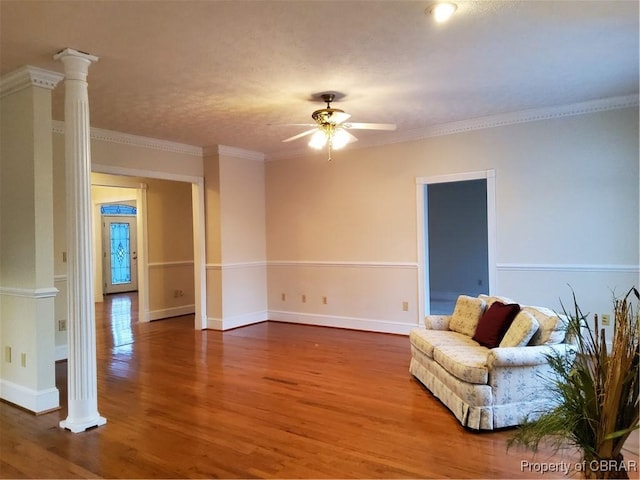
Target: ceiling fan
<point>331,128</point>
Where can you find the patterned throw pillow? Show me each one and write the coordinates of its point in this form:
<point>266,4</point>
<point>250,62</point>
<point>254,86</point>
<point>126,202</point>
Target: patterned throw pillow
<point>520,331</point>
<point>490,299</point>
<point>553,327</point>
<point>466,315</point>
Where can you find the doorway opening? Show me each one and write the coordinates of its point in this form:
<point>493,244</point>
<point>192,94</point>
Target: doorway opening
<point>456,237</point>
<point>456,244</point>
<point>155,299</point>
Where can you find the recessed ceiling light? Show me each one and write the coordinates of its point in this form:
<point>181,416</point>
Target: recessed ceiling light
<point>442,11</point>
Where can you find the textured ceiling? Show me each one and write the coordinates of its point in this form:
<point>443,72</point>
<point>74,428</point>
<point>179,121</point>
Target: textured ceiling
<point>232,72</point>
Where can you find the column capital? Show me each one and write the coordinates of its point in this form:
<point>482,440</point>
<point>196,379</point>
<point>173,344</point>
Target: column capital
<point>28,76</point>
<point>76,63</point>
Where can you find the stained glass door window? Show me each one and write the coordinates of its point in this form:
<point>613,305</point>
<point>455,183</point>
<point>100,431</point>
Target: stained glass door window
<point>120,261</point>
<point>120,253</point>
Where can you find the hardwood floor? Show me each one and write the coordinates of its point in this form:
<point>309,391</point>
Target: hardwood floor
<point>271,400</point>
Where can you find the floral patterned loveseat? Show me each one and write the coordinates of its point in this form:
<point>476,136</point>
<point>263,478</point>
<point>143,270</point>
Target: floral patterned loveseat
<point>488,388</point>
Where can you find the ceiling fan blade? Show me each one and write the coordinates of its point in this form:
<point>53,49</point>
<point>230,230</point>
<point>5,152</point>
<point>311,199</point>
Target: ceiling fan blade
<point>291,124</point>
<point>370,126</point>
<point>352,138</point>
<point>300,135</point>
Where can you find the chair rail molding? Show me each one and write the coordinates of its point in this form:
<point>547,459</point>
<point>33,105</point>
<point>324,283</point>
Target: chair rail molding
<point>340,264</point>
<point>236,265</point>
<point>566,267</point>
<point>177,263</point>
<point>47,292</point>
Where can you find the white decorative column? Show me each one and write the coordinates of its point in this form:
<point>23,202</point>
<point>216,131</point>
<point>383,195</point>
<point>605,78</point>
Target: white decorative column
<point>27,292</point>
<point>82,374</point>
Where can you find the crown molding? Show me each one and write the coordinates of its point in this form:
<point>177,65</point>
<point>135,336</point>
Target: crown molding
<point>523,116</point>
<point>480,123</point>
<point>28,76</point>
<point>164,145</point>
<point>234,152</point>
<point>240,153</point>
<point>451,128</point>
<point>134,140</point>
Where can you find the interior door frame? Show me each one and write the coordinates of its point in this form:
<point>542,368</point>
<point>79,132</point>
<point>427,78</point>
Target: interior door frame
<point>199,253</point>
<point>139,195</point>
<point>423,275</point>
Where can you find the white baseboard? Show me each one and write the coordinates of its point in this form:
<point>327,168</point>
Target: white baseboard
<point>62,352</point>
<point>170,312</point>
<point>236,321</point>
<point>352,323</point>
<point>37,401</point>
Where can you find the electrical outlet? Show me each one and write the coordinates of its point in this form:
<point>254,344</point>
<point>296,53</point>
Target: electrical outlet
<point>283,297</point>
<point>304,298</point>
<point>23,359</point>
<point>7,354</point>
<point>606,319</point>
<point>324,300</point>
<point>62,325</point>
<point>405,306</point>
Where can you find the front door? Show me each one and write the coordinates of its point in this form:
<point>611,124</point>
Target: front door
<point>120,265</point>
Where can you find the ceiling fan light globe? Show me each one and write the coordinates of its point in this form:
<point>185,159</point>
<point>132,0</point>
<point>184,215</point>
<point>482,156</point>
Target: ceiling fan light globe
<point>340,139</point>
<point>442,11</point>
<point>318,140</point>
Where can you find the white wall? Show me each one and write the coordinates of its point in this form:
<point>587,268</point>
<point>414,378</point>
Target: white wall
<point>236,244</point>
<point>566,208</point>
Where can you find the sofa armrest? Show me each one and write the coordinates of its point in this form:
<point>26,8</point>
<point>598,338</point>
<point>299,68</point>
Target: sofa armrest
<point>526,356</point>
<point>437,322</point>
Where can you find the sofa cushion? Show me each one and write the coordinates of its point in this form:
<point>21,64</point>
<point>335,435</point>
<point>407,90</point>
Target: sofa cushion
<point>468,363</point>
<point>466,315</point>
<point>490,299</point>
<point>521,330</point>
<point>427,340</point>
<point>494,323</point>
<point>552,327</point>
<point>437,322</point>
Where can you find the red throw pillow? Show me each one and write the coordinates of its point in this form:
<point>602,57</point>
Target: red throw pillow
<point>494,323</point>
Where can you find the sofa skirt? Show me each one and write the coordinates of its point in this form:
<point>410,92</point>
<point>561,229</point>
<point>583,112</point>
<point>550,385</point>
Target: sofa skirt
<point>478,417</point>
<point>472,404</point>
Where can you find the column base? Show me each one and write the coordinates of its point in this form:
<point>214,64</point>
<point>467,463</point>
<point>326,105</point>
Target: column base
<point>77,426</point>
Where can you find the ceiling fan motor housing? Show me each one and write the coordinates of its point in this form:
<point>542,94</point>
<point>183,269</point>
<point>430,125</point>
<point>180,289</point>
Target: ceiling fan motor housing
<point>324,115</point>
